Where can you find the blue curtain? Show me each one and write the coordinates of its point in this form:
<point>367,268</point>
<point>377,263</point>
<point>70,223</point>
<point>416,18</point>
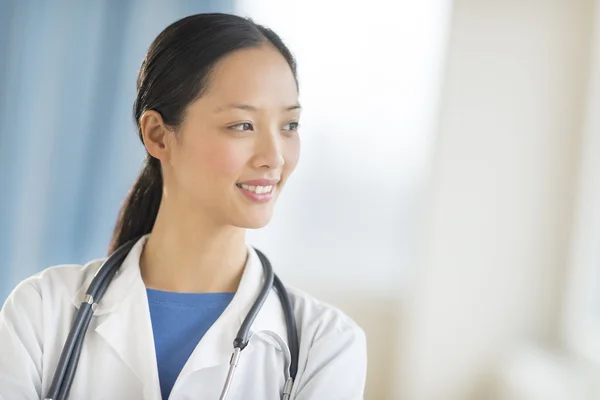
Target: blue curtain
<point>68,146</point>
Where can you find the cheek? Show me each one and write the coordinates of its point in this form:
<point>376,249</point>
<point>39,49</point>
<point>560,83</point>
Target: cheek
<point>292,155</point>
<point>224,160</point>
<point>215,160</point>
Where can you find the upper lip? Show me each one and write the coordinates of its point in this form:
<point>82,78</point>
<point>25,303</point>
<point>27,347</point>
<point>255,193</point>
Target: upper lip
<point>260,182</point>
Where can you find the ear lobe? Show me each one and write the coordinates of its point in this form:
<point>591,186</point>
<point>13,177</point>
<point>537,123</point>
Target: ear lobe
<point>154,134</point>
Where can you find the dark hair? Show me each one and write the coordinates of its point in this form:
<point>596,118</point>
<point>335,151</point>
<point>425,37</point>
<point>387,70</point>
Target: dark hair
<point>174,73</point>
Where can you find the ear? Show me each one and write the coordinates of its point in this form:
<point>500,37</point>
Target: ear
<point>156,134</point>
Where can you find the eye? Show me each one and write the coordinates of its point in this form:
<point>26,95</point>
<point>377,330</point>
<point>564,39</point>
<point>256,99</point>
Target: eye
<point>291,126</point>
<point>243,127</point>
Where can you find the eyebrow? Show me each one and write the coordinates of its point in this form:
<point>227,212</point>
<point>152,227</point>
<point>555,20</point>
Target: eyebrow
<point>247,107</point>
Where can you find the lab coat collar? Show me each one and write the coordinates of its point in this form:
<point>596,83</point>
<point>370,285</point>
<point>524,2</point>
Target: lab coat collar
<point>216,346</point>
<point>127,327</point>
<point>122,319</point>
<point>122,284</point>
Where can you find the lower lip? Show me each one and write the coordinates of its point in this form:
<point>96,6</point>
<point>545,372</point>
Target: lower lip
<point>256,197</point>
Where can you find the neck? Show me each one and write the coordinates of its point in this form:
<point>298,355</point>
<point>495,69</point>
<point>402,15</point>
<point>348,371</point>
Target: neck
<point>192,254</point>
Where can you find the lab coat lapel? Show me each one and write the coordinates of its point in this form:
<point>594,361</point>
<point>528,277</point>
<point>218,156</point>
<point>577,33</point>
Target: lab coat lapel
<point>271,317</point>
<point>123,322</point>
<point>216,346</point>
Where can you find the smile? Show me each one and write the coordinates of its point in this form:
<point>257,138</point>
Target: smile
<point>258,194</point>
<point>256,189</point>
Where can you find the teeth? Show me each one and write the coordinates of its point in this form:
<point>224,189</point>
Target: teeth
<point>257,189</point>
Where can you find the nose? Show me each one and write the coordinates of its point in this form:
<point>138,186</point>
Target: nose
<point>269,150</point>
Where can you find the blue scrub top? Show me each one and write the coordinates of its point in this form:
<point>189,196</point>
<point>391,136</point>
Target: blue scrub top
<point>179,321</point>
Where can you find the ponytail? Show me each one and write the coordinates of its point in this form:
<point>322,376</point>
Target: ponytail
<point>139,211</point>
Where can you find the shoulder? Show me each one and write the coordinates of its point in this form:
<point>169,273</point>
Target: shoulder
<point>54,283</point>
<point>320,319</point>
<point>34,322</point>
<point>46,299</point>
<point>333,351</point>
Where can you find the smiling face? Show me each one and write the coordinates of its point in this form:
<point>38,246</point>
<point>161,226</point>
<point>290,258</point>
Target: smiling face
<point>238,143</point>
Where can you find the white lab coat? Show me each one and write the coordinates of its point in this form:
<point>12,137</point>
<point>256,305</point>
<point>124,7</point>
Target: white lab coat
<point>118,359</point>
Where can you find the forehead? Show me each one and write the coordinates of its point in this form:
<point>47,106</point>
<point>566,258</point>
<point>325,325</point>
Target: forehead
<point>258,76</point>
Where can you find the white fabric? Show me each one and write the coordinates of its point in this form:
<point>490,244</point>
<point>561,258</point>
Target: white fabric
<point>118,360</point>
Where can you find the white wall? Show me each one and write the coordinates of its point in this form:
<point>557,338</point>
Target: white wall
<point>492,265</point>
<point>369,86</point>
<point>582,316</point>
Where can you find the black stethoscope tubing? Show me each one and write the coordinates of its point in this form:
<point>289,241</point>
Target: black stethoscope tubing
<point>67,364</point>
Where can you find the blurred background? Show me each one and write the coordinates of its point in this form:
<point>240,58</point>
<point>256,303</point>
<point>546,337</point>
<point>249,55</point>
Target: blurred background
<point>448,195</point>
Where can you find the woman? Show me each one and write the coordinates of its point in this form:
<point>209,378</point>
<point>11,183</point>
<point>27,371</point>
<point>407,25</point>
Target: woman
<point>217,111</point>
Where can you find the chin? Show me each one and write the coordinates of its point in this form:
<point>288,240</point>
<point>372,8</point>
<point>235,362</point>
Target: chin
<point>254,221</point>
<point>257,224</point>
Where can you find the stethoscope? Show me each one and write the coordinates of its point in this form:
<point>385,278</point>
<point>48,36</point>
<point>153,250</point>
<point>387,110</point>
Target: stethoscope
<point>67,364</point>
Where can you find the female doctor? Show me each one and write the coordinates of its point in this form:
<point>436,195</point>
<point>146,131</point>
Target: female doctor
<point>217,111</point>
